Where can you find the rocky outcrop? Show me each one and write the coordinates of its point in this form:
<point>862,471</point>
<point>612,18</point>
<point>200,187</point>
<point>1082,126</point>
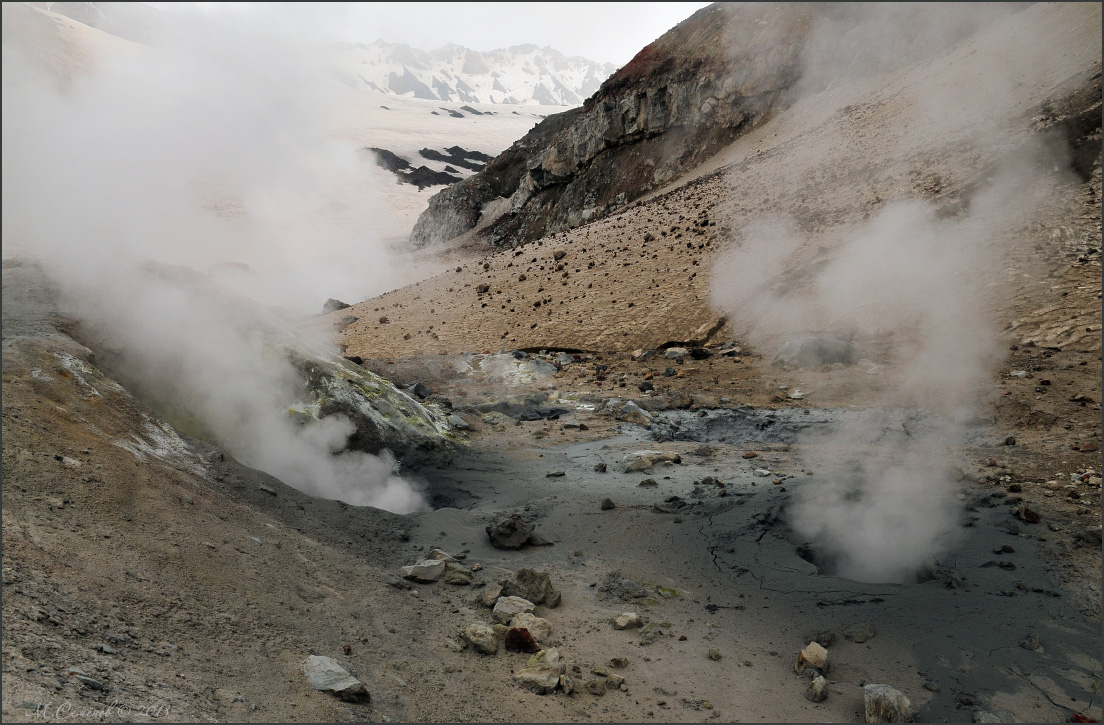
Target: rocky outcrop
<point>385,417</point>
<point>696,88</point>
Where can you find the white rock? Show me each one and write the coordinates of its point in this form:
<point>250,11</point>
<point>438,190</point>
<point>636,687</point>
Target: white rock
<point>885,704</point>
<point>628,620</point>
<point>426,570</point>
<point>507,607</point>
<point>812,656</point>
<point>540,628</point>
<point>761,472</point>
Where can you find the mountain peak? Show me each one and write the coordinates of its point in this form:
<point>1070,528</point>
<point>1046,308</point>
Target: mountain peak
<point>520,74</point>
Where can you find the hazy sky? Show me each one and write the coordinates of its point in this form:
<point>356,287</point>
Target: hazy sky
<point>606,32</point>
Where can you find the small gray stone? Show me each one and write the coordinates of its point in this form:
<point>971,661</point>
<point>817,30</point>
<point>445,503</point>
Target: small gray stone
<point>457,422</point>
<point>491,595</point>
<point>458,574</point>
<point>628,620</point>
<point>817,691</point>
<point>507,607</point>
<point>607,504</point>
<point>596,687</point>
<point>510,533</point>
<point>425,571</point>
<point>328,675</point>
<point>714,655</point>
<point>481,637</point>
<point>542,672</point>
<point>886,704</point>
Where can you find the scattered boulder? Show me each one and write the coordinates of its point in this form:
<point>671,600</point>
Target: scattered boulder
<point>491,594</point>
<point>510,533</point>
<point>619,662</point>
<point>507,607</point>
<point>885,704</point>
<point>542,672</point>
<point>555,474</point>
<point>596,687</point>
<point>714,655</point>
<point>646,460</point>
<point>607,504</point>
<point>457,422</point>
<point>482,288</point>
<point>700,353</point>
<point>859,633</point>
<point>633,413</point>
<point>532,586</point>
<point>559,254</point>
<point>600,467</point>
<point>328,675</point>
<point>628,620</point>
<point>567,684</point>
<point>813,656</point>
<point>825,638</point>
<point>440,555</point>
<point>457,574</point>
<point>481,637</point>
<point>817,691</point>
<point>425,571</point>
<point>520,639</point>
<point>812,353</point>
<point>673,353</point>
<point>333,305</point>
<point>537,626</point>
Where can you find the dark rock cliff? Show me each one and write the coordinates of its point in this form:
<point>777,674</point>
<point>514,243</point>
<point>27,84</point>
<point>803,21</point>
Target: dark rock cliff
<point>677,102</point>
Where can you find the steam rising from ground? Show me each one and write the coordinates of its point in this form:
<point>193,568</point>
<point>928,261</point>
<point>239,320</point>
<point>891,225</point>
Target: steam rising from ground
<point>917,279</point>
<point>208,147</point>
<point>910,273</point>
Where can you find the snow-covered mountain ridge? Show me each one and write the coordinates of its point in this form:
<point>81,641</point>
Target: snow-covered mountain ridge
<point>522,74</point>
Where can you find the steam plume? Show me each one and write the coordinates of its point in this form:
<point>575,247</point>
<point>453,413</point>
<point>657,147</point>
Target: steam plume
<point>209,146</point>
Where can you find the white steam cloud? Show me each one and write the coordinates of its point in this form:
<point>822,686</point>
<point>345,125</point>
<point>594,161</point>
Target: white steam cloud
<point>920,280</point>
<point>207,150</point>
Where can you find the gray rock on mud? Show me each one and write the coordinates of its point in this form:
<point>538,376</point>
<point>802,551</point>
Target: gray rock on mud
<point>886,704</point>
<point>425,571</point>
<point>506,608</point>
<point>510,533</point>
<point>481,637</point>
<point>534,586</point>
<point>542,672</point>
<point>646,460</point>
<point>328,675</point>
<point>817,691</point>
<point>812,353</point>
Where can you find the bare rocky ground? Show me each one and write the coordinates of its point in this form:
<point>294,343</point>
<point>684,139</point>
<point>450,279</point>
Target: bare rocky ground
<point>153,574</point>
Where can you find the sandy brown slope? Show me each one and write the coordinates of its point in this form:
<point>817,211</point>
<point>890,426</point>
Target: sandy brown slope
<point>829,163</point>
